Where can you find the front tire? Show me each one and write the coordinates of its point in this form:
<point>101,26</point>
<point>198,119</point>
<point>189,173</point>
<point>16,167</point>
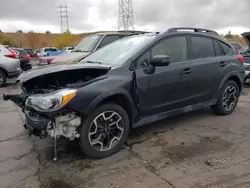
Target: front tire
<point>105,131</point>
<point>228,99</point>
<point>3,79</point>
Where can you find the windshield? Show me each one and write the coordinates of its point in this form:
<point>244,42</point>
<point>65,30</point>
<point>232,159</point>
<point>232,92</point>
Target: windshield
<point>119,51</point>
<point>87,44</point>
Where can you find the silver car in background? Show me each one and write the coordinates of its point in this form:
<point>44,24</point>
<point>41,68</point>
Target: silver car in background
<point>9,65</point>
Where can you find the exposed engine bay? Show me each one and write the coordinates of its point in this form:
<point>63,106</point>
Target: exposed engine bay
<point>43,100</point>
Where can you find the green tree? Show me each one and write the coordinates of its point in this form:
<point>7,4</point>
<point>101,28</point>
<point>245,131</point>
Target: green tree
<point>64,40</point>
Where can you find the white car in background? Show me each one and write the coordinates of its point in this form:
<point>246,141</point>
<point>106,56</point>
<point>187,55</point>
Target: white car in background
<point>43,51</point>
<point>9,65</point>
<point>68,49</point>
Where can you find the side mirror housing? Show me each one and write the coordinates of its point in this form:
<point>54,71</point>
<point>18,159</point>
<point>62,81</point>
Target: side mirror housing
<point>160,60</point>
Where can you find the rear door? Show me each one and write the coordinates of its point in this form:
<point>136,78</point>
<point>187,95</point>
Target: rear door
<point>207,58</point>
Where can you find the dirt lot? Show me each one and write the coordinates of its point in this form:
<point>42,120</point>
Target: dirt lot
<point>195,150</point>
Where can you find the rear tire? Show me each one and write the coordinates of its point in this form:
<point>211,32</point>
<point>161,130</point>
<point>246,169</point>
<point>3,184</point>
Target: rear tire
<point>228,99</point>
<point>3,79</point>
<point>105,131</point>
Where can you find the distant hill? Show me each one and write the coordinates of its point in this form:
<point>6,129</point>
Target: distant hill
<point>39,40</point>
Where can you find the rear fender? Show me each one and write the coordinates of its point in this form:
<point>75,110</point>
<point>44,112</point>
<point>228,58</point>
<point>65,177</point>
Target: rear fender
<point>225,79</point>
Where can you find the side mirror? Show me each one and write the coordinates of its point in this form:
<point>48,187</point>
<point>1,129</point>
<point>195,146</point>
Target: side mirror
<point>160,60</point>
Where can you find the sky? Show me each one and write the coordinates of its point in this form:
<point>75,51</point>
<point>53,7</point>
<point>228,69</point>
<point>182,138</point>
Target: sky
<point>149,15</point>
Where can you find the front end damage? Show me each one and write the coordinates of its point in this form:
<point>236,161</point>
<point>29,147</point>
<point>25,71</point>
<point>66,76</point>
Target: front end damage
<point>44,101</point>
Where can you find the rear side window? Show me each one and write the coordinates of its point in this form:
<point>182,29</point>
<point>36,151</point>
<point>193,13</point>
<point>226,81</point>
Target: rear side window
<point>217,48</point>
<point>226,48</point>
<point>109,39</point>
<point>202,47</point>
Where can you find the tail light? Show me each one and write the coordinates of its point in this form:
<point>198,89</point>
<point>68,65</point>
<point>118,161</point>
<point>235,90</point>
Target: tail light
<point>26,57</point>
<point>240,58</point>
<point>12,54</point>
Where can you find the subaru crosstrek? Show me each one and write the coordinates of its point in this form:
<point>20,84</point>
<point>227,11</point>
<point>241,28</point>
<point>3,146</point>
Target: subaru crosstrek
<point>128,83</point>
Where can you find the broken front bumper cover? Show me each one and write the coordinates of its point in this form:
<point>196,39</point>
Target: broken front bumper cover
<point>37,125</point>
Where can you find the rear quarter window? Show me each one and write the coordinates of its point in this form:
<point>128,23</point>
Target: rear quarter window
<point>218,50</point>
<point>226,48</point>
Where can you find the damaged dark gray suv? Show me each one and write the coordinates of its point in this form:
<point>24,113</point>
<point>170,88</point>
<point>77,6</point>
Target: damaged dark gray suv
<point>131,82</point>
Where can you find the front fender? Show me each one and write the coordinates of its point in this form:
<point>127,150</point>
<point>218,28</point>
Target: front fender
<point>89,96</point>
<point>101,98</point>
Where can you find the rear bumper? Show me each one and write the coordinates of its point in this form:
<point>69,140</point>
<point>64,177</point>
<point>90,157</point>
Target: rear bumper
<point>14,74</point>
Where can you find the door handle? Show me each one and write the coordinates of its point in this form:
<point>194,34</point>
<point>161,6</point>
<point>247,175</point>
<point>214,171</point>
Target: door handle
<point>187,71</point>
<point>223,64</point>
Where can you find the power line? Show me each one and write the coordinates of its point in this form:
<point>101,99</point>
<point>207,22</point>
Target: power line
<point>125,15</point>
<point>64,17</point>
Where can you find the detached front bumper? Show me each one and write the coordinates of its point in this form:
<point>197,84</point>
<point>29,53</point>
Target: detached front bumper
<point>37,125</point>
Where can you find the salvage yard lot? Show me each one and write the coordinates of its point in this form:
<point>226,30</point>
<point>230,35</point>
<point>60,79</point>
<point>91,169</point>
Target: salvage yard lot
<point>195,150</point>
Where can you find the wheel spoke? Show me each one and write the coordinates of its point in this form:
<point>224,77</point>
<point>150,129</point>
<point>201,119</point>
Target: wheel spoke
<point>97,142</point>
<point>96,128</point>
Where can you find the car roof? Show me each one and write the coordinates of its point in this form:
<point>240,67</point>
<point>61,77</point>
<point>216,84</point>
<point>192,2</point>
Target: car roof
<point>189,31</point>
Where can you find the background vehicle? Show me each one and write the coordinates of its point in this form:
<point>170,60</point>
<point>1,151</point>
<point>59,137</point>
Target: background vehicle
<point>131,82</point>
<point>9,65</point>
<point>24,59</point>
<point>68,49</point>
<point>43,51</point>
<point>238,47</point>
<point>48,59</point>
<point>92,43</point>
<point>246,55</point>
<point>30,52</point>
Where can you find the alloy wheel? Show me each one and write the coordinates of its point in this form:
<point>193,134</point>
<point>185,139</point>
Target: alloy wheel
<point>105,131</point>
<point>229,97</point>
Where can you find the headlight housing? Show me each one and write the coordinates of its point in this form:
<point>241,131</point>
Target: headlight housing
<point>51,101</point>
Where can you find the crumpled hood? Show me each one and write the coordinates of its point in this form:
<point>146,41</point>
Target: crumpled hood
<point>28,75</point>
<point>69,57</point>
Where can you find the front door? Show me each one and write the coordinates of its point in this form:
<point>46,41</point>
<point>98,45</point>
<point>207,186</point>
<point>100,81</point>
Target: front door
<point>168,87</point>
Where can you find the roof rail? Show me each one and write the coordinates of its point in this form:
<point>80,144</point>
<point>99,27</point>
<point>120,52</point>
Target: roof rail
<point>176,29</point>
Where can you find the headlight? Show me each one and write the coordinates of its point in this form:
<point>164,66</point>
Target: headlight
<point>51,101</point>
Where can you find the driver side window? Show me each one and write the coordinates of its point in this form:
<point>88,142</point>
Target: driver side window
<point>175,48</point>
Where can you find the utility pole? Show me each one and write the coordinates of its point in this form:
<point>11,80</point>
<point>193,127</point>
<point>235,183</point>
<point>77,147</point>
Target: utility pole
<point>63,11</point>
<point>125,15</point>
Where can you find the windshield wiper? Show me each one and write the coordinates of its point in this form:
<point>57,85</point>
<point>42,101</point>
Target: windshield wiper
<point>94,62</point>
